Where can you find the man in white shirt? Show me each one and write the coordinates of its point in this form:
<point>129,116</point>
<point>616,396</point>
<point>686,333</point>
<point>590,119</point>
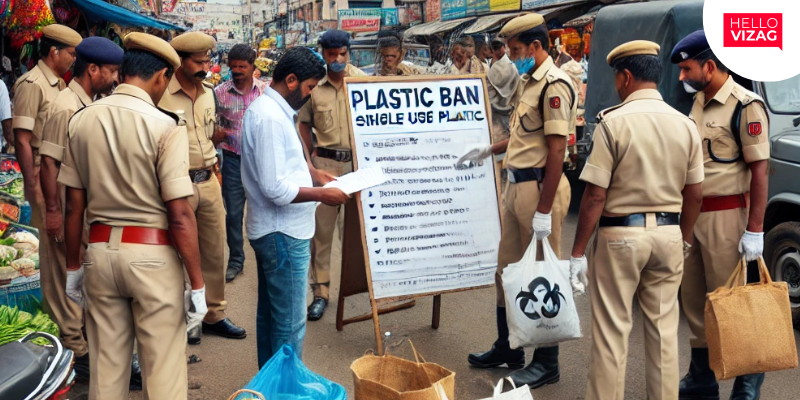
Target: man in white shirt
<point>5,114</point>
<point>281,201</point>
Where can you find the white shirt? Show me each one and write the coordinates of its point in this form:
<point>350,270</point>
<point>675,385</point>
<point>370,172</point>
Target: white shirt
<point>274,169</point>
<point>5,108</point>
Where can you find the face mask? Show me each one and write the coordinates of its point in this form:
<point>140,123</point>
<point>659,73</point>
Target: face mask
<point>337,67</point>
<point>688,88</point>
<point>524,65</point>
<point>696,85</point>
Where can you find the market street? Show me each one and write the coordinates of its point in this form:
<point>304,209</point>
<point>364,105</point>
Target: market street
<point>467,325</point>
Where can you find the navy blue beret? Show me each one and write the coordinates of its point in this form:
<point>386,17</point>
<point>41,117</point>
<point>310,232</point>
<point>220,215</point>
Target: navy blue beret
<point>334,39</point>
<point>689,47</point>
<point>99,50</point>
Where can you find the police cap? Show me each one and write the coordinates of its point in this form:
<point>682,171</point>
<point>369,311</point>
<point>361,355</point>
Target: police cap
<point>690,47</point>
<point>521,24</point>
<point>193,42</point>
<point>154,45</point>
<point>334,39</point>
<point>99,50</point>
<point>62,34</point>
<point>633,48</point>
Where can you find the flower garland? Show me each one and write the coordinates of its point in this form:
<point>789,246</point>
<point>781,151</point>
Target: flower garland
<point>5,7</point>
<point>25,21</point>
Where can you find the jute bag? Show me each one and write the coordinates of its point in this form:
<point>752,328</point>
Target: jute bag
<point>392,378</point>
<point>749,327</point>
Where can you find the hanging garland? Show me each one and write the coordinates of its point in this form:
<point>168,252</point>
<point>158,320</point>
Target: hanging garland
<point>5,6</point>
<point>25,21</point>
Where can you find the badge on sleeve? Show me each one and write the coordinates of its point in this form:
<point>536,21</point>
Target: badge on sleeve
<point>754,128</point>
<point>555,102</point>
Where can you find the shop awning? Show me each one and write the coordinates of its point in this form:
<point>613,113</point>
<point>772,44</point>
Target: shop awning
<point>490,22</point>
<point>434,27</point>
<point>582,20</point>
<point>98,10</point>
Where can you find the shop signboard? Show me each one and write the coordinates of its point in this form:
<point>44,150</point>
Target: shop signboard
<point>389,17</point>
<point>476,7</point>
<point>453,9</point>
<point>360,19</point>
<point>536,4</point>
<point>433,10</point>
<point>504,5</point>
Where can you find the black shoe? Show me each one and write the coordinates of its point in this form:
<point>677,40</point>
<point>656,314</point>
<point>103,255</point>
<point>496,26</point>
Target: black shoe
<point>541,371</point>
<point>700,383</point>
<point>317,308</point>
<point>500,353</point>
<point>232,272</point>
<point>194,335</point>
<point>136,375</point>
<point>225,328</point>
<point>81,367</point>
<point>747,387</point>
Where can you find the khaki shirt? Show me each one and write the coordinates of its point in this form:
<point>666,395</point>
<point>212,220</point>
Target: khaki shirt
<point>130,157</point>
<point>56,126</point>
<point>402,70</point>
<point>713,120</point>
<point>326,112</point>
<point>473,66</point>
<point>200,120</point>
<point>527,147</point>
<point>34,92</point>
<point>644,152</point>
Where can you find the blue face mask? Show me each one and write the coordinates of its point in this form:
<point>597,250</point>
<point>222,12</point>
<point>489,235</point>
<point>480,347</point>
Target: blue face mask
<point>524,65</point>
<point>337,67</point>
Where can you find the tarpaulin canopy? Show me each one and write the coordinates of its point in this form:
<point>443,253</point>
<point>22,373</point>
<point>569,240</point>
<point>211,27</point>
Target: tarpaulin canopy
<point>434,27</point>
<point>489,22</point>
<point>98,10</point>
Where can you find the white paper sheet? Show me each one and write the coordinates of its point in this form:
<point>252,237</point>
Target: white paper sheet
<point>357,181</point>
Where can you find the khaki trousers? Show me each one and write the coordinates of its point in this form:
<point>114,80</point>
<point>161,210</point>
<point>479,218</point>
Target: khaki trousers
<point>53,273</point>
<point>519,204</point>
<point>326,217</point>
<point>647,263</point>
<point>710,263</point>
<point>135,290</point>
<point>210,213</point>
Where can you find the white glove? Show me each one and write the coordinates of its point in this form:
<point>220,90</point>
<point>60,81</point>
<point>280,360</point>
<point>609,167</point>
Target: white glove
<point>752,245</point>
<point>542,225</point>
<point>75,285</point>
<point>198,308</point>
<point>476,156</point>
<point>687,248</point>
<point>578,270</point>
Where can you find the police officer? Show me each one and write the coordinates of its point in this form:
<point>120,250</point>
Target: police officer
<point>34,94</point>
<point>391,52</point>
<point>645,169</point>
<point>326,115</point>
<point>537,196</point>
<point>502,80</point>
<point>95,73</point>
<point>734,128</point>
<point>188,95</point>
<point>126,167</point>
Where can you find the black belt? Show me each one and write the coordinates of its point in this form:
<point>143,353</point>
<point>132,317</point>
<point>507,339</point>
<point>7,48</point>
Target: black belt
<point>336,155</point>
<point>525,175</point>
<point>639,220</point>
<point>200,175</point>
<point>228,153</point>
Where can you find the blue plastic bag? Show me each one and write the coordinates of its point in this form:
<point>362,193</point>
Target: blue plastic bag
<point>285,377</point>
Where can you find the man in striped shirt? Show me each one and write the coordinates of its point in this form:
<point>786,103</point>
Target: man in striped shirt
<point>233,98</point>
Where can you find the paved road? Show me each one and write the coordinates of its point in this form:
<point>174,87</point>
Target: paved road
<point>467,324</point>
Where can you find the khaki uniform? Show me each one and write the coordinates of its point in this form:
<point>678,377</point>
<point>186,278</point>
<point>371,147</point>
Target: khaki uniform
<point>34,93</point>
<point>131,289</point>
<point>326,112</point>
<point>473,66</point>
<point>716,235</point>
<point>66,313</point>
<point>628,158</point>
<point>402,70</point>
<point>207,198</point>
<point>527,148</point>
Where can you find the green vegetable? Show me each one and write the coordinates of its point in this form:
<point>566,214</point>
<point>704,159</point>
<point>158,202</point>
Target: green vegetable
<point>15,324</point>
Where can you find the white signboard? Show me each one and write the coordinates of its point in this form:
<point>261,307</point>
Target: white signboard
<point>434,227</point>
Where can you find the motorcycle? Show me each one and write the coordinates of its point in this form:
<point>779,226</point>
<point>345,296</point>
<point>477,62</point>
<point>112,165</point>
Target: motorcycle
<point>29,371</point>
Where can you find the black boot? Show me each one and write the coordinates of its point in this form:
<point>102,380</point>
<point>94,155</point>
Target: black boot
<point>700,383</point>
<point>747,387</point>
<point>136,375</point>
<point>541,371</point>
<point>501,353</point>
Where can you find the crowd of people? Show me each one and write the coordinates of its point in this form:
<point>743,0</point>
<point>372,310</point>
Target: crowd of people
<point>121,166</point>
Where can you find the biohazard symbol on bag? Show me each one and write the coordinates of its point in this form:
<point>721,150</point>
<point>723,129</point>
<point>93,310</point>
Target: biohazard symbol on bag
<point>540,299</point>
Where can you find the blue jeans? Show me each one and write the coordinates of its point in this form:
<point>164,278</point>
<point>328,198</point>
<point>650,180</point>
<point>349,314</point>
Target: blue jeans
<point>282,281</point>
<point>234,197</point>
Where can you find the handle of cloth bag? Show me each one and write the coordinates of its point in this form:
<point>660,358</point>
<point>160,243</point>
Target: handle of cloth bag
<point>417,356</point>
<point>739,276</point>
<point>499,388</point>
<point>240,391</point>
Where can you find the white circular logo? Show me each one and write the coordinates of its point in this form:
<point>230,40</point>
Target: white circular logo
<point>759,40</point>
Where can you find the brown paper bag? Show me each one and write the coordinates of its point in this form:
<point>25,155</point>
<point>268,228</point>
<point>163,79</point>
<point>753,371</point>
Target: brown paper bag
<point>749,327</point>
<point>392,378</point>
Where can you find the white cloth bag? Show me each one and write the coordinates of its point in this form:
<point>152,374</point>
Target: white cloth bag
<point>517,393</point>
<point>540,307</point>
